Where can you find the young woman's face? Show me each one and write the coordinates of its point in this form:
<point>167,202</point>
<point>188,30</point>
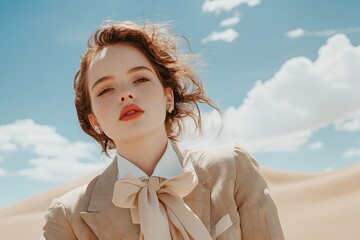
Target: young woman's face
<point>127,98</point>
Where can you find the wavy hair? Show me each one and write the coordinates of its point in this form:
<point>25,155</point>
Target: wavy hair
<point>172,66</point>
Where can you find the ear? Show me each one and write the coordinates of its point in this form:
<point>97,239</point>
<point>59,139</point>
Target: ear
<point>92,120</point>
<point>169,94</point>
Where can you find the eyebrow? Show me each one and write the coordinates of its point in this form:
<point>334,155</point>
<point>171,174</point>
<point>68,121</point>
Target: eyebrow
<point>134,69</point>
<point>131,70</point>
<point>100,80</point>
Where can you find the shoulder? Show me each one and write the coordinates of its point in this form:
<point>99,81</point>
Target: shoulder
<point>224,163</point>
<point>62,220</point>
<point>223,156</point>
<point>75,200</point>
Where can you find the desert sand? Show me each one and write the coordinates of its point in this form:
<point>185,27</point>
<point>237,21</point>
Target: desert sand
<point>311,206</point>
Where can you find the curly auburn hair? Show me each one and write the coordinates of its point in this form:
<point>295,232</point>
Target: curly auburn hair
<point>173,68</point>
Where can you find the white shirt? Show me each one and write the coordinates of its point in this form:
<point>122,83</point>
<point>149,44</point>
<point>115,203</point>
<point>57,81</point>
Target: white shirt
<point>167,167</point>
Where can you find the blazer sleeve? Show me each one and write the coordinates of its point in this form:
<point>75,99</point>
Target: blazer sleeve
<point>258,214</point>
<point>56,224</point>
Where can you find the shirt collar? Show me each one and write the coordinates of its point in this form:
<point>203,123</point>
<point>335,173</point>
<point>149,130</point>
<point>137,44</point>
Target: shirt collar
<point>167,167</point>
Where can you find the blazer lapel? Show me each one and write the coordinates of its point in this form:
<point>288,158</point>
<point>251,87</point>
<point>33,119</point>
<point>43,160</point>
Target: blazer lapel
<point>199,199</point>
<point>110,222</point>
<point>106,220</point>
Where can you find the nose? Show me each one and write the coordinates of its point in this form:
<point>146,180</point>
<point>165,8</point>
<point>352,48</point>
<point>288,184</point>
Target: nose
<point>126,97</point>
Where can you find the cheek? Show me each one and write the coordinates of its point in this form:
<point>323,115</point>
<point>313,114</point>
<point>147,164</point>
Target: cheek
<point>100,107</point>
<point>157,101</point>
<point>156,94</point>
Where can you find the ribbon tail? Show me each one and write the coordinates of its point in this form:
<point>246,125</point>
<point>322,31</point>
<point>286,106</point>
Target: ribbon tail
<point>135,215</point>
<point>177,230</point>
<point>187,218</point>
<point>154,223</point>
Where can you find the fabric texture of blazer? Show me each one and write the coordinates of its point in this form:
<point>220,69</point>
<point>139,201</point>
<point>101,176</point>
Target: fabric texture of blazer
<point>232,200</point>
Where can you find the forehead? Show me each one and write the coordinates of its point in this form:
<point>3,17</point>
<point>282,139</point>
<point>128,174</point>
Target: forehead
<point>115,59</point>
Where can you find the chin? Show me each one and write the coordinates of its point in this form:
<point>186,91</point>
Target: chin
<point>130,136</point>
<point>139,133</point>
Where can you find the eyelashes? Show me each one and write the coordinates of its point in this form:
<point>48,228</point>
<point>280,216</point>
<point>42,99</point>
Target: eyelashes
<point>139,80</point>
<point>142,79</point>
<point>102,92</point>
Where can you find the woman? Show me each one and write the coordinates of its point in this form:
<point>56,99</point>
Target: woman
<point>133,90</point>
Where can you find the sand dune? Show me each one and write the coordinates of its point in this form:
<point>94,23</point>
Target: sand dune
<point>311,206</point>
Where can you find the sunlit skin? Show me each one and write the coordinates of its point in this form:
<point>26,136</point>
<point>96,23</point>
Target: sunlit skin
<point>121,76</point>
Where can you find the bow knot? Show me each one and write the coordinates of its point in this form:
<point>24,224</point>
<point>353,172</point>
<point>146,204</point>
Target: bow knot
<point>154,182</point>
<point>159,208</point>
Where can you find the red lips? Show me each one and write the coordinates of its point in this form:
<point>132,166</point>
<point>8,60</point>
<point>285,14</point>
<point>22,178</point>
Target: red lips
<point>130,112</point>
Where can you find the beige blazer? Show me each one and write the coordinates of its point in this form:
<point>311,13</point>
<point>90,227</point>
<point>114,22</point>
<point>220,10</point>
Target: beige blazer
<point>232,199</point>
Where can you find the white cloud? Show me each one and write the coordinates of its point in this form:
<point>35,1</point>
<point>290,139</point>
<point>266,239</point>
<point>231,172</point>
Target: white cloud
<point>7,147</point>
<point>230,21</point>
<point>228,35</point>
<point>2,172</point>
<point>303,96</point>
<point>295,33</point>
<point>218,6</point>
<point>350,123</point>
<point>351,153</point>
<point>56,159</point>
<point>316,145</point>
<point>299,32</point>
<point>26,133</point>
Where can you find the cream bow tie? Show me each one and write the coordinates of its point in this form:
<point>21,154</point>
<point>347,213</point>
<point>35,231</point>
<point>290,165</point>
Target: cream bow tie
<point>159,208</point>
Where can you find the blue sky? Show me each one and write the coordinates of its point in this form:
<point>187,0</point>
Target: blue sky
<point>285,74</point>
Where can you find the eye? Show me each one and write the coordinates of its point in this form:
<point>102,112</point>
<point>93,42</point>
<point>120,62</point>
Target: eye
<point>142,80</point>
<point>102,92</point>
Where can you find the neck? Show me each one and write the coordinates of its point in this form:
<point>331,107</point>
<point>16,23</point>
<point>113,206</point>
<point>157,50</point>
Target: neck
<point>144,152</point>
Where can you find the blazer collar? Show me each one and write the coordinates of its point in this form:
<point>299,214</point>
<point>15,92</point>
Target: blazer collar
<point>185,157</point>
<point>200,198</point>
<point>104,187</point>
<point>100,204</point>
